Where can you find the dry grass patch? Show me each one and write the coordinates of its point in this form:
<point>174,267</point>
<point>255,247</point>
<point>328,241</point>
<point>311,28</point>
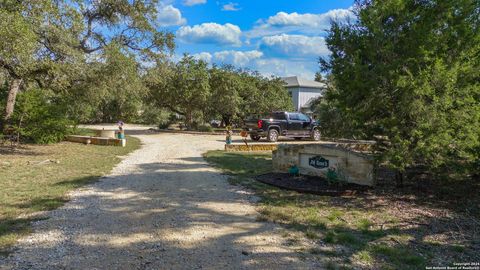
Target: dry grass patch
<point>382,229</point>
<point>36,178</point>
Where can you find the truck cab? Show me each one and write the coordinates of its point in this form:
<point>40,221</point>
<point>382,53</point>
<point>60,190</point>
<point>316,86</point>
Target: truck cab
<point>290,124</point>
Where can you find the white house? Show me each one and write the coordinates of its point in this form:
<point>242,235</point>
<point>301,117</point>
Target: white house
<point>303,92</point>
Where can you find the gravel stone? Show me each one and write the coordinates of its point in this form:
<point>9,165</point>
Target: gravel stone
<point>124,221</point>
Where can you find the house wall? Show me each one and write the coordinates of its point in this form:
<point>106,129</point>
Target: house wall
<point>306,95</point>
<point>301,96</point>
<point>294,92</point>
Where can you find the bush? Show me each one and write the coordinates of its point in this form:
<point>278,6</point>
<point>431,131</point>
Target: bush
<point>164,124</point>
<point>39,118</point>
<point>205,128</point>
<point>153,115</point>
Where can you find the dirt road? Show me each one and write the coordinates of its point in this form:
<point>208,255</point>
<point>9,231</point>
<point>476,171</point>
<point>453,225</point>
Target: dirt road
<point>162,207</point>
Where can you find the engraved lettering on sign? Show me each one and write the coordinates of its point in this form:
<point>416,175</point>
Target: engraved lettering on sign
<point>318,162</point>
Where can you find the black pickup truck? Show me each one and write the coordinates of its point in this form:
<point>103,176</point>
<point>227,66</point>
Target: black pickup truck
<point>290,124</point>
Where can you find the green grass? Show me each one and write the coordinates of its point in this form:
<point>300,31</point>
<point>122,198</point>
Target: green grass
<point>458,248</point>
<point>365,257</point>
<point>26,188</point>
<point>397,256</point>
<point>342,237</point>
<point>241,164</point>
<point>364,224</point>
<point>321,219</point>
<point>83,132</point>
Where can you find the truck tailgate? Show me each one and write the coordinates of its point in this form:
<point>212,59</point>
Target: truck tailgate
<point>251,124</point>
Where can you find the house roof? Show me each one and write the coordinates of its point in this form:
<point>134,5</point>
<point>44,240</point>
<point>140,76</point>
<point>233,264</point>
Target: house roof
<point>296,81</point>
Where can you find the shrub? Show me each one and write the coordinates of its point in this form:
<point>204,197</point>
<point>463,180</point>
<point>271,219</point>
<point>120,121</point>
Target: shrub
<point>205,128</point>
<point>166,120</point>
<point>164,124</point>
<point>154,115</point>
<point>40,118</point>
<point>336,176</point>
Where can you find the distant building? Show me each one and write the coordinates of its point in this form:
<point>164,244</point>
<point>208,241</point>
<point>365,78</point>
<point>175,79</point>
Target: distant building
<point>303,92</point>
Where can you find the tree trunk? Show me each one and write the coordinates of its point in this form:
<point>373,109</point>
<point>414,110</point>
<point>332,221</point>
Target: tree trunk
<point>399,179</point>
<point>14,87</point>
<point>226,120</point>
<point>188,119</point>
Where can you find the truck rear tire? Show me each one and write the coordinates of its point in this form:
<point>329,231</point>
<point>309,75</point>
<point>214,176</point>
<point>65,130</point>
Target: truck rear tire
<point>315,135</point>
<point>272,135</point>
<point>255,138</point>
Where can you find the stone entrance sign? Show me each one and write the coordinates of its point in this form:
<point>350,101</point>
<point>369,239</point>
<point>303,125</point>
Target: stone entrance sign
<point>315,162</point>
<point>319,159</point>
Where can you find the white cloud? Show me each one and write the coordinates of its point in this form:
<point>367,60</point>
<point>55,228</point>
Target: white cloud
<point>256,60</point>
<point>294,46</point>
<point>285,67</point>
<point>312,20</point>
<point>231,7</point>
<point>237,58</point>
<point>211,33</point>
<point>169,16</point>
<point>194,2</point>
<point>205,56</point>
<point>284,22</point>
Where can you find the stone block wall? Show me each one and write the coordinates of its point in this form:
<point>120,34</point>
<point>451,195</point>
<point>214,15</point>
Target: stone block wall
<point>251,147</point>
<point>97,140</point>
<point>318,159</point>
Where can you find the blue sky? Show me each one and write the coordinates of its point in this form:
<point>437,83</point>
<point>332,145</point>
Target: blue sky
<point>281,38</point>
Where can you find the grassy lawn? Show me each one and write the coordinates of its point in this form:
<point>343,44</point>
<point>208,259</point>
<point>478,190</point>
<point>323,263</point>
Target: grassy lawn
<point>27,186</point>
<point>373,231</point>
<point>84,132</point>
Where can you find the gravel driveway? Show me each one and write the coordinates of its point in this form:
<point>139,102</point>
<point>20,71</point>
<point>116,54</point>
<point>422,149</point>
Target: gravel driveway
<point>162,207</point>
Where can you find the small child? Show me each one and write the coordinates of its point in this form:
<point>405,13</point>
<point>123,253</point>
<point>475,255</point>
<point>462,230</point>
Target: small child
<point>229,135</point>
<point>121,132</point>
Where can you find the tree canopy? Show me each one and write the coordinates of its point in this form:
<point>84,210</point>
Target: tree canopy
<point>53,44</point>
<point>109,60</point>
<point>197,92</point>
<point>409,70</point>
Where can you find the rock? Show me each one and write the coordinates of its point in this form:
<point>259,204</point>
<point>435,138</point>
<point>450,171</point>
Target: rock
<point>246,253</point>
